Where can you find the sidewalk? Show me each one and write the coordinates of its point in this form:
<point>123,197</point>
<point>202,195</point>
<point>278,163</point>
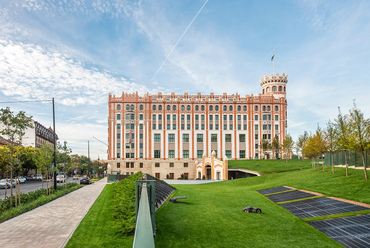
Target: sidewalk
<point>51,224</point>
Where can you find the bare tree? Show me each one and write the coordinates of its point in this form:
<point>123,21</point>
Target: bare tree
<point>330,134</point>
<point>288,146</point>
<point>342,137</point>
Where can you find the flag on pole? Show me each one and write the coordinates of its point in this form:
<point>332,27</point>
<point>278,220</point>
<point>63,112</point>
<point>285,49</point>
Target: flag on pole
<point>272,58</point>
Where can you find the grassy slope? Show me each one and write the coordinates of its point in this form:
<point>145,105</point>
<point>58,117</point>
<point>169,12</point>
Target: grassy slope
<point>267,166</point>
<point>96,229</point>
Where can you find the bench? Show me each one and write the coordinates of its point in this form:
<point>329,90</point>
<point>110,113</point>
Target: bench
<point>173,199</point>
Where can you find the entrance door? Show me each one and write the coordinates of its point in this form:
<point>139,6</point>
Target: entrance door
<point>209,173</point>
<point>218,175</point>
<point>199,175</point>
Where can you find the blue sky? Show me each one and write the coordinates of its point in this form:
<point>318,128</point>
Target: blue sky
<point>79,51</point>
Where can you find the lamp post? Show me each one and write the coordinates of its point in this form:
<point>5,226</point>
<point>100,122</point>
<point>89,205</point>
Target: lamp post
<point>55,145</point>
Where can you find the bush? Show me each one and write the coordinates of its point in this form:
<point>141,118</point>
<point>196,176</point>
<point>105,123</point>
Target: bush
<point>123,204</point>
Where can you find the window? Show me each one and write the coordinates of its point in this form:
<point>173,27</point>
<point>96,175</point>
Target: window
<point>154,107</point>
<point>182,107</point>
<point>127,165</point>
<point>210,126</point>
<point>225,108</point>
<point>196,117</point>
<point>202,117</point>
<point>269,126</point>
<point>264,108</point>
<point>239,127</point>
<point>185,138</point>
<point>228,153</point>
<point>199,153</point>
<point>255,127</point>
<point>214,138</point>
<point>157,137</point>
<point>241,137</point>
<point>210,108</point>
<point>157,153</point>
<point>273,88</point>
<point>264,117</point>
<point>216,107</point>
<point>118,155</point>
<point>239,117</point>
<point>231,127</point>
<point>141,136</point>
<point>255,108</point>
<point>118,108</point>
<point>118,165</point>
<point>245,117</point>
<point>245,108</point>
<point>196,126</point>
<point>276,117</point>
<point>141,165</point>
<point>182,117</point>
<point>276,127</point>
<point>245,127</point>
<point>141,107</point>
<point>118,116</point>
<point>141,116</point>
<point>239,108</point>
<point>141,126</point>
<point>202,126</point>
<point>256,146</point>
<point>227,137</point>
<point>118,126</point>
<point>188,107</point>
<point>276,108</point>
<point>199,137</point>
<point>268,108</point>
<point>118,145</point>
<point>216,117</point>
<point>171,138</point>
<point>171,154</point>
<point>132,155</point>
<point>154,117</point>
<point>279,88</point>
<point>132,126</point>
<point>127,126</point>
<point>157,175</point>
<point>186,165</point>
<point>188,117</point>
<point>141,145</point>
<point>188,126</point>
<point>132,165</point>
<point>159,117</point>
<point>159,126</point>
<point>242,154</point>
<point>127,135</point>
<point>225,117</point>
<point>159,107</point>
<point>174,117</point>
<point>264,136</point>
<point>230,117</point>
<point>118,135</point>
<point>156,165</point>
<point>172,165</point>
<point>225,127</point>
<point>127,107</point>
<point>185,154</point>
<point>182,127</point>
<point>202,108</point>
<point>174,126</point>
<point>216,127</point>
<point>196,107</point>
<point>264,127</point>
<point>231,108</point>
<point>168,107</point>
<point>132,107</point>
<point>168,126</point>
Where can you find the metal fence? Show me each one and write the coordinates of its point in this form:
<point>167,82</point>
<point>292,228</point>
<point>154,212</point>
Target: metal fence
<point>353,158</point>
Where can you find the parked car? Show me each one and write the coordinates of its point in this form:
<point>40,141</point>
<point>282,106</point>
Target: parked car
<point>21,179</point>
<point>7,183</point>
<point>60,179</point>
<point>85,180</point>
<point>36,177</point>
<point>28,178</point>
<point>250,209</point>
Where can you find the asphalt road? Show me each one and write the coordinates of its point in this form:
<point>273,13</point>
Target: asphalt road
<point>28,186</point>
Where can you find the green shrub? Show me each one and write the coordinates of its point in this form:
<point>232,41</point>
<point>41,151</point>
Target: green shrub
<point>123,204</point>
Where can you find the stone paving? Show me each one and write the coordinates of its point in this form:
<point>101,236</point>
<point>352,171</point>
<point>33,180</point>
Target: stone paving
<point>52,224</point>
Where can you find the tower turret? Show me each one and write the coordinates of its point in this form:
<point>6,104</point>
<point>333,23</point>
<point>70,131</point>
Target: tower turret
<point>274,85</point>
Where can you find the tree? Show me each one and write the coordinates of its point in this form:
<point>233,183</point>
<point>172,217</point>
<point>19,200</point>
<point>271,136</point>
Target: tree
<point>44,159</point>
<point>63,158</point>
<point>302,139</point>
<point>330,134</point>
<point>342,137</point>
<point>265,146</point>
<point>360,133</point>
<point>14,129</point>
<point>321,145</point>
<point>275,145</point>
<point>288,146</point>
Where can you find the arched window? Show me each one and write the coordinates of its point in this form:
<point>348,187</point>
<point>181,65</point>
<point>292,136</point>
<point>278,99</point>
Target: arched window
<point>174,107</point>
<point>127,107</point>
<point>154,107</point>
<point>141,107</point>
<point>264,108</point>
<point>231,108</point>
<point>202,108</point>
<point>182,107</point>
<point>268,108</point>
<point>245,108</point>
<point>132,107</point>
<point>118,107</point>
<point>267,90</point>
<point>188,107</point>
<point>159,107</point>
<point>224,108</point>
<point>216,108</point>
<point>276,108</point>
<point>196,108</point>
<point>279,88</point>
<point>255,108</point>
<point>210,108</point>
<point>284,88</point>
<point>168,107</point>
<point>263,91</point>
<point>273,88</point>
<point>239,108</point>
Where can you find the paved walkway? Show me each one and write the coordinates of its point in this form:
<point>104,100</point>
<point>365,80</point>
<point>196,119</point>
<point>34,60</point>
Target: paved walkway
<point>50,225</point>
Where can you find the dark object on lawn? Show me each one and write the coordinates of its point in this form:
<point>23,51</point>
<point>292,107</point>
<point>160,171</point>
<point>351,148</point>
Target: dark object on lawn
<point>173,199</point>
<point>256,165</point>
<point>250,209</point>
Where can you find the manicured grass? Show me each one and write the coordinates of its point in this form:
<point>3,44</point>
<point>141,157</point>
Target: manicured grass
<point>268,166</point>
<point>96,229</point>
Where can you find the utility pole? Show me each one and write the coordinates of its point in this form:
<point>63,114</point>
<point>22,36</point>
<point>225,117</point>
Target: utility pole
<point>88,155</point>
<point>55,145</point>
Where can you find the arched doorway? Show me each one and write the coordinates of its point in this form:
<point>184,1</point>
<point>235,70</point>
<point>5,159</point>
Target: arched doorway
<point>209,172</point>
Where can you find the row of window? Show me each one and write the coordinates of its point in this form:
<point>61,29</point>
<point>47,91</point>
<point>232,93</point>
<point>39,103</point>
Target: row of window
<point>202,107</point>
<point>185,138</point>
<point>185,154</point>
<point>273,89</point>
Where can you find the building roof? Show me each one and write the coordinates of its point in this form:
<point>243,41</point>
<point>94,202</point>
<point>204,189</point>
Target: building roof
<point>4,142</point>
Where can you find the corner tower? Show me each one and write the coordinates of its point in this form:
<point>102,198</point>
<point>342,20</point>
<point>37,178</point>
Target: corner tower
<point>274,85</point>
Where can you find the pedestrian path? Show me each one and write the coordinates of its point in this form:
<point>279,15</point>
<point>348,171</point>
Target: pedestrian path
<point>50,225</point>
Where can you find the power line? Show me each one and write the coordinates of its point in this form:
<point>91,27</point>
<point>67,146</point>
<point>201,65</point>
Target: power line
<point>28,101</point>
<point>178,41</point>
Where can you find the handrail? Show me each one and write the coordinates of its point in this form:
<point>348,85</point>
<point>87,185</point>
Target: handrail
<point>144,230</point>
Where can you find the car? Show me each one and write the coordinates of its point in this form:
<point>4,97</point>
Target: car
<point>4,183</point>
<point>85,180</point>
<point>36,177</point>
<point>28,178</point>
<point>250,209</point>
<point>21,179</point>
<point>60,179</point>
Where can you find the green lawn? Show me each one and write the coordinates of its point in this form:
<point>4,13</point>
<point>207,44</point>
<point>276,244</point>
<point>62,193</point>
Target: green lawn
<point>268,166</point>
<point>96,229</point>
<point>212,215</point>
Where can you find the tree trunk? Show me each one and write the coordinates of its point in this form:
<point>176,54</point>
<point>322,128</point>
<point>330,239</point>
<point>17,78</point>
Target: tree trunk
<point>363,162</point>
<point>15,192</point>
<point>318,165</point>
<point>11,186</point>
<point>6,186</point>
<point>332,161</point>
<point>19,192</point>
<point>323,166</point>
<point>345,157</point>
